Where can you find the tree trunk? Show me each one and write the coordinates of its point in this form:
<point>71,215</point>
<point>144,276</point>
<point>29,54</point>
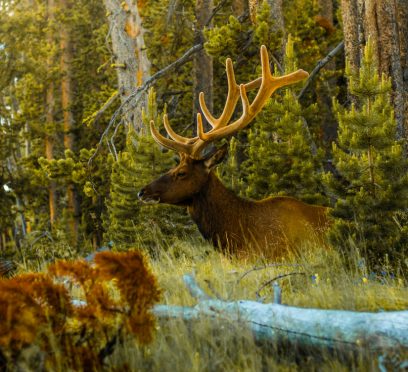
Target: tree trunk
<point>328,122</point>
<point>277,13</point>
<point>351,25</point>
<point>402,19</point>
<point>279,25</point>
<point>239,7</point>
<point>49,118</point>
<point>385,22</point>
<point>326,10</point>
<point>130,57</point>
<point>203,63</point>
<point>69,123</point>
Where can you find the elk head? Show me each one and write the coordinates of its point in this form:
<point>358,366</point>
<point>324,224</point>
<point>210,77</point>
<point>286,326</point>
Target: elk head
<point>179,185</point>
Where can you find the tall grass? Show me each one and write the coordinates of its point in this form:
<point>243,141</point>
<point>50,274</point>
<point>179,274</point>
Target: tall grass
<point>315,278</point>
<point>319,279</point>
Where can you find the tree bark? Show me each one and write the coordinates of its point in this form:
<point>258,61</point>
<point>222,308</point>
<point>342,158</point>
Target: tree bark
<point>279,25</point>
<point>326,10</point>
<point>239,7</point>
<point>203,63</point>
<point>49,117</point>
<point>385,22</point>
<point>277,14</point>
<point>351,26</point>
<point>68,118</point>
<point>130,58</point>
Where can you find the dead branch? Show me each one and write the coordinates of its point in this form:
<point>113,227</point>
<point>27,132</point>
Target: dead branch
<point>319,66</point>
<point>95,116</point>
<point>257,268</point>
<point>270,281</point>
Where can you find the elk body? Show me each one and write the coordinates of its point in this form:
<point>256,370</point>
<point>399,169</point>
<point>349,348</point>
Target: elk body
<point>270,228</point>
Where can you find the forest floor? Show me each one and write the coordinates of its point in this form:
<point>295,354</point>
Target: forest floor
<point>317,280</point>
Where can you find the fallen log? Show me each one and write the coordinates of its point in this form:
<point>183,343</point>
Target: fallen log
<point>332,329</point>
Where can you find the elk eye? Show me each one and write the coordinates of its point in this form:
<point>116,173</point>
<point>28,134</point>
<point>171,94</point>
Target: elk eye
<point>181,174</point>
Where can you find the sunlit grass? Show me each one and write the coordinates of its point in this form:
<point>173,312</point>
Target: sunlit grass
<point>315,278</point>
<point>322,281</point>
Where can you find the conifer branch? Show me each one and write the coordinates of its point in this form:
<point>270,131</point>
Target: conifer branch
<point>323,62</point>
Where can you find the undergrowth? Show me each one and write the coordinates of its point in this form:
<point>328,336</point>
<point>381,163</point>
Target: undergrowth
<point>314,279</point>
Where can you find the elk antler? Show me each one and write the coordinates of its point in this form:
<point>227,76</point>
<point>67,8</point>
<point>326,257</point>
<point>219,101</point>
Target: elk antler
<point>267,84</point>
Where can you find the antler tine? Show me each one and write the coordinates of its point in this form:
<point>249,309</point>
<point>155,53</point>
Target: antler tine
<point>231,102</point>
<point>168,143</point>
<point>176,137</point>
<point>268,85</point>
<point>230,129</point>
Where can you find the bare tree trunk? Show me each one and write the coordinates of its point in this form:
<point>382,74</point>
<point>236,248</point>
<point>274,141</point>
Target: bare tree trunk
<point>49,119</point>
<point>402,20</point>
<point>277,13</point>
<point>385,22</point>
<point>279,25</point>
<point>381,25</point>
<point>69,123</point>
<point>326,10</point>
<point>203,63</point>
<point>350,14</point>
<point>239,7</point>
<point>131,62</point>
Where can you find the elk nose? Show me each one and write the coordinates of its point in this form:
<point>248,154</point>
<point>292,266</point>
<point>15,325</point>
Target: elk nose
<point>141,193</point>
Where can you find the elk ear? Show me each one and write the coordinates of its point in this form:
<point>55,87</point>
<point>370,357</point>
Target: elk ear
<point>216,157</point>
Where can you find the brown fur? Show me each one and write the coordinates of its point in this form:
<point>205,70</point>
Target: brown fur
<point>270,228</point>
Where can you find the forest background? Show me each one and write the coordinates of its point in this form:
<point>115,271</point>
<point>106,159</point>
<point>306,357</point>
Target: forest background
<point>75,103</point>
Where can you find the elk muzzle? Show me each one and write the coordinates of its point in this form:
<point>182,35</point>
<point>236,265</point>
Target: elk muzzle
<point>147,196</point>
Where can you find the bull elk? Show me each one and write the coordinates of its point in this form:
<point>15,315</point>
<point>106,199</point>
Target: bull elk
<point>272,227</point>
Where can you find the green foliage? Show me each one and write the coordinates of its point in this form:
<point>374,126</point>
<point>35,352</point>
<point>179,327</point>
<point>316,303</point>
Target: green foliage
<point>29,65</point>
<point>373,178</point>
<point>275,157</point>
<point>280,159</point>
<point>230,170</point>
<point>130,221</point>
<point>240,40</point>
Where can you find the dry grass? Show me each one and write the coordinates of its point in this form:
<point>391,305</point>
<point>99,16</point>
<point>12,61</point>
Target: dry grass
<point>204,346</point>
<point>321,281</point>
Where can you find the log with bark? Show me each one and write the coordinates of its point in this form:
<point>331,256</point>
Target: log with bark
<point>329,329</point>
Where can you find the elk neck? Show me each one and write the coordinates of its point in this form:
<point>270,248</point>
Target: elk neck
<point>219,213</point>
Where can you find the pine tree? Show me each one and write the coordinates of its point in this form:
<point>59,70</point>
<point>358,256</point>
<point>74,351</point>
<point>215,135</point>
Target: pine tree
<point>373,181</point>
<point>130,221</point>
<point>33,110</point>
<point>280,159</point>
